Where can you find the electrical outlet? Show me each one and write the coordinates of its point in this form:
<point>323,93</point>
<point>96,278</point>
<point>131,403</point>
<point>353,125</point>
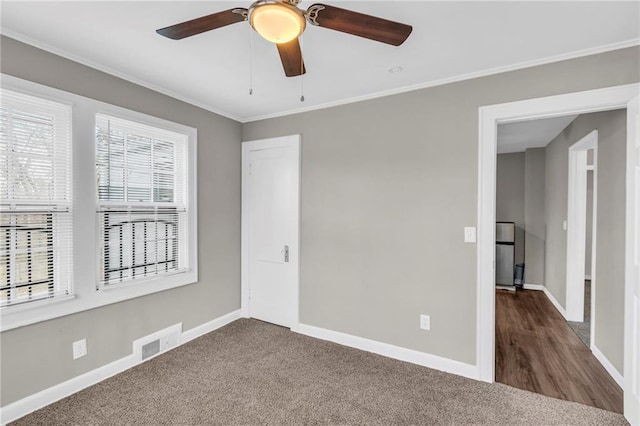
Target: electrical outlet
<point>425,322</point>
<point>79,348</point>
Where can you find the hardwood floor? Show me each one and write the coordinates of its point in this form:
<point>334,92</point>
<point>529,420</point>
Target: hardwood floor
<point>537,351</point>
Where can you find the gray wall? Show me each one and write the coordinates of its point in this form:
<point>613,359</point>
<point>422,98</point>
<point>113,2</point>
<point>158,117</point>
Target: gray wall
<point>534,181</point>
<point>510,188</point>
<point>610,236</point>
<point>610,232</point>
<point>520,198</point>
<point>387,187</point>
<point>589,230</point>
<point>555,197</point>
<point>39,356</point>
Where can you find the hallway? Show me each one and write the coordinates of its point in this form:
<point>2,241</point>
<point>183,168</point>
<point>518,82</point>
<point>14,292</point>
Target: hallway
<point>536,350</point>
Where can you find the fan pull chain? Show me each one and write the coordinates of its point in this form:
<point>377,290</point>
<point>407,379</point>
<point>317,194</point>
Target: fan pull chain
<point>250,60</point>
<point>301,69</point>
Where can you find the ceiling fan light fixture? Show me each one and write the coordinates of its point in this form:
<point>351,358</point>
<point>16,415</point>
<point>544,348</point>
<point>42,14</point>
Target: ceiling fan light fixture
<point>276,22</point>
<point>281,22</point>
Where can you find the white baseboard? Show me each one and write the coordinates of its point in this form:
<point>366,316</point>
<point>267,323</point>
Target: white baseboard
<point>555,302</point>
<point>537,287</point>
<point>391,351</point>
<point>27,405</point>
<point>210,326</point>
<point>587,277</point>
<point>55,393</point>
<point>613,372</point>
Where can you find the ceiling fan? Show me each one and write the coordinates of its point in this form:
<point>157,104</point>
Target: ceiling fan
<point>282,22</point>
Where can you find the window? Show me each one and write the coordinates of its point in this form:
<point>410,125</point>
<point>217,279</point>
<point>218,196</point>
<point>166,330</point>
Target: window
<point>35,199</point>
<point>130,228</point>
<point>142,201</point>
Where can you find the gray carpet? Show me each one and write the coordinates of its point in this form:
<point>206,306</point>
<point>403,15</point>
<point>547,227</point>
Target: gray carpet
<point>250,373</point>
<point>583,329</point>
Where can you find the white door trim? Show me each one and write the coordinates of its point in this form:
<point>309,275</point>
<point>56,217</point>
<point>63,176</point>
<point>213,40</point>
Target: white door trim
<point>489,117</point>
<point>632,261</point>
<point>577,224</point>
<point>293,141</point>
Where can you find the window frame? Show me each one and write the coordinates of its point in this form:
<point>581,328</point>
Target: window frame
<point>58,207</point>
<point>85,273</point>
<point>136,206</point>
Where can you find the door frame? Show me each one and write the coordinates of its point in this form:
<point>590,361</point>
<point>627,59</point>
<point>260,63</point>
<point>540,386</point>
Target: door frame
<point>291,141</point>
<point>576,227</point>
<point>632,261</point>
<point>616,97</point>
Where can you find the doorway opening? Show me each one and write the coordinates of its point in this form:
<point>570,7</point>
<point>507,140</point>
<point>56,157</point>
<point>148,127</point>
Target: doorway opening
<point>542,168</point>
<point>577,213</point>
<point>582,237</point>
<point>575,103</point>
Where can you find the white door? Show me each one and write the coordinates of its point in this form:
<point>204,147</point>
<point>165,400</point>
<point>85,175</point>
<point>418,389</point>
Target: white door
<point>632,308</point>
<point>270,224</point>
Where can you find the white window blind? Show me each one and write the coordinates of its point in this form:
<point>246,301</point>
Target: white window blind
<point>142,200</point>
<point>35,199</point>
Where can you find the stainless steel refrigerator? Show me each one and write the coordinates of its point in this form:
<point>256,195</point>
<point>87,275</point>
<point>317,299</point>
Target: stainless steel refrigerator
<point>505,252</point>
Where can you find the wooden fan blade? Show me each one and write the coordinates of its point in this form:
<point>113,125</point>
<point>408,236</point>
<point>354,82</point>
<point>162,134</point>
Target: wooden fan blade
<point>358,24</point>
<point>291,57</point>
<point>204,23</point>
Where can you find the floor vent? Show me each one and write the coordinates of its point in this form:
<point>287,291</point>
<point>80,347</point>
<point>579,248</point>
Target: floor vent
<point>150,349</point>
<point>154,344</point>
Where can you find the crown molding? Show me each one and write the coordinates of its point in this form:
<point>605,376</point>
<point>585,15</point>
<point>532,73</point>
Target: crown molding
<point>455,79</point>
<point>97,66</point>
<point>404,89</point>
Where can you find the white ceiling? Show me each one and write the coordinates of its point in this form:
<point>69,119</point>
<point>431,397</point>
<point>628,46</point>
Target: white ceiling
<point>450,41</point>
<point>517,137</point>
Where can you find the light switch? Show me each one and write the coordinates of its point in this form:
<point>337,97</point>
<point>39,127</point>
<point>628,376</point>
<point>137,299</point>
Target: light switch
<point>425,322</point>
<point>564,225</point>
<point>469,234</point>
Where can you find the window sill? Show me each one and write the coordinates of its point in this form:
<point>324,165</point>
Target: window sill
<point>27,314</point>
<point>36,304</point>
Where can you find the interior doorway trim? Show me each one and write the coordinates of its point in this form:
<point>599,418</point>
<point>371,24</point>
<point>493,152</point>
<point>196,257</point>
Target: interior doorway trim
<point>577,225</point>
<point>292,141</point>
<point>489,117</point>
<point>632,267</point>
